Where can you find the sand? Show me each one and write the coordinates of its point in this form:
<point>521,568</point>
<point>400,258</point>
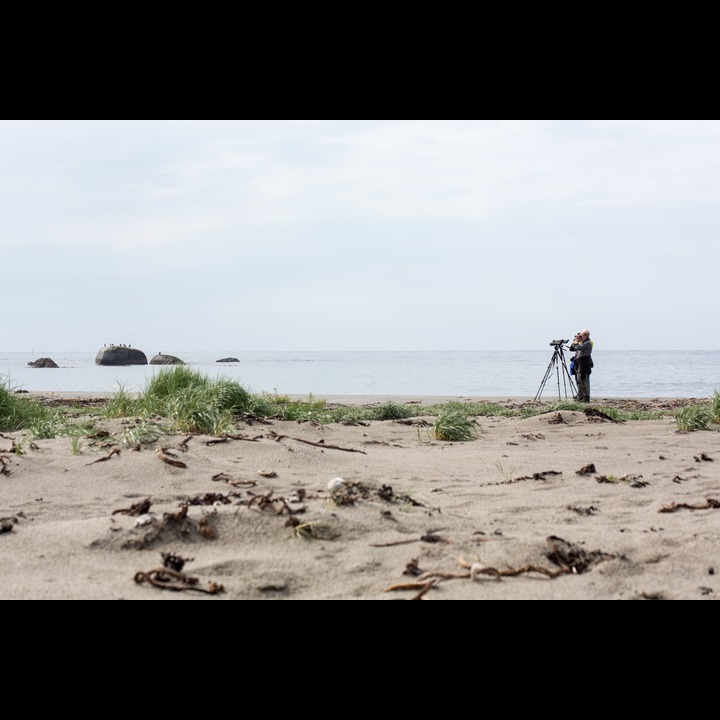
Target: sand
<point>565,505</point>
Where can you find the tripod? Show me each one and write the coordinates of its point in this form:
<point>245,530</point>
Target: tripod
<point>557,361</point>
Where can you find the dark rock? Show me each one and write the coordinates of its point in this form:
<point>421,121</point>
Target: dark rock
<point>162,359</point>
<point>120,355</point>
<point>228,360</point>
<point>43,363</point>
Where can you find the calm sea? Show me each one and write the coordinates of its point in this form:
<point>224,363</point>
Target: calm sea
<point>492,374</point>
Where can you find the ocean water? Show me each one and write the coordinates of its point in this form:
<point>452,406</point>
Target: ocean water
<point>487,374</point>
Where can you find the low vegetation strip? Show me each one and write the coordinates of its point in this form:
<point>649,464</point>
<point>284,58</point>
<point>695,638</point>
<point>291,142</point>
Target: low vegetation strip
<point>190,402</point>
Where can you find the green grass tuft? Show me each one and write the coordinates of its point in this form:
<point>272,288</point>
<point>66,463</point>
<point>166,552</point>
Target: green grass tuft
<point>393,411</point>
<point>694,417</point>
<point>454,425</point>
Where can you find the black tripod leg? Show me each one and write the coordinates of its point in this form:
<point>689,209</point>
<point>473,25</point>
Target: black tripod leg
<point>548,373</point>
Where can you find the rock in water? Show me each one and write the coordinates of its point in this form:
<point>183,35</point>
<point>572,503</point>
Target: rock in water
<point>43,363</point>
<point>163,359</point>
<point>120,355</point>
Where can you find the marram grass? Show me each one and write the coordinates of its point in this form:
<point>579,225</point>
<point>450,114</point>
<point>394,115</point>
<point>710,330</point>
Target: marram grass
<point>454,425</point>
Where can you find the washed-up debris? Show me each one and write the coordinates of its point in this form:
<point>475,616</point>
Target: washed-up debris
<point>167,457</point>
<point>572,557</point>
<point>7,524</point>
<point>277,505</point>
<point>168,579</point>
<point>569,559</point>
<point>224,477</point>
<point>422,587</point>
<point>4,462</point>
<point>114,451</point>
<point>629,478</point>
<point>13,447</point>
<point>387,493</point>
<point>557,419</point>
<point>139,508</point>
<point>599,414</point>
<point>172,526</point>
<point>412,568</point>
<point>225,438</point>
<point>267,473</point>
<point>703,457</point>
<point>710,503</point>
<point>316,530</point>
<point>590,510</point>
<point>586,469</point>
<point>321,443</point>
<point>210,499</point>
<point>429,537</point>
<point>347,493</point>
<point>336,484</point>
<point>538,475</point>
<point>174,562</point>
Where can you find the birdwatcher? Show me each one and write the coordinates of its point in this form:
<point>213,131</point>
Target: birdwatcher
<point>582,345</point>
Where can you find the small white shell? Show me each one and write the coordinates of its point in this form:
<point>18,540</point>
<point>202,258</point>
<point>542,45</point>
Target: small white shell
<point>145,519</point>
<point>336,484</point>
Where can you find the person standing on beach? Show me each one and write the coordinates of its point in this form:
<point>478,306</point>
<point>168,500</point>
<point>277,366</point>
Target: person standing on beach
<point>583,347</point>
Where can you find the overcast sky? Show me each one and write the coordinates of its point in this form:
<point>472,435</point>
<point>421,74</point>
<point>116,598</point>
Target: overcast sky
<point>359,235</point>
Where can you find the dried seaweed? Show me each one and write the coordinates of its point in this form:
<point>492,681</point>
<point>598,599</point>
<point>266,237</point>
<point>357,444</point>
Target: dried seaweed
<point>594,413</point>
<point>387,493</point>
<point>634,480</point>
<point>703,457</point>
<point>225,438</point>
<point>316,530</point>
<point>7,524</point>
<point>209,499</point>
<point>114,451</point>
<point>538,475</point>
<point>139,508</point>
<point>168,579</point>
<point>422,587</point>
<point>412,568</point>
<point>277,437</point>
<point>710,503</point>
<point>429,537</point>
<point>571,557</point>
<point>167,457</point>
<point>586,469</point>
<point>224,477</point>
<point>590,510</point>
<point>174,562</point>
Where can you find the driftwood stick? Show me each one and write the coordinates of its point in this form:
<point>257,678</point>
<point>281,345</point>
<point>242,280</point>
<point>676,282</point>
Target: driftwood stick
<point>277,436</point>
<point>114,451</point>
<point>160,452</point>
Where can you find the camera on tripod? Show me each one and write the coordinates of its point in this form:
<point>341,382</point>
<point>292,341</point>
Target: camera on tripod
<point>555,343</point>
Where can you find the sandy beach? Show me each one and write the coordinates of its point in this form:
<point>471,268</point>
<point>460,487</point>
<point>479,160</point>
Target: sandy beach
<point>564,505</point>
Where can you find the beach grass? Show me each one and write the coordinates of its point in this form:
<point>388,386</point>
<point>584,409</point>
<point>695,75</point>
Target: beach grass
<point>454,425</point>
<point>704,416</point>
<point>184,400</point>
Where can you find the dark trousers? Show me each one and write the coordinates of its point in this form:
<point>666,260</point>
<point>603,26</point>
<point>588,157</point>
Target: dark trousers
<point>583,383</point>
